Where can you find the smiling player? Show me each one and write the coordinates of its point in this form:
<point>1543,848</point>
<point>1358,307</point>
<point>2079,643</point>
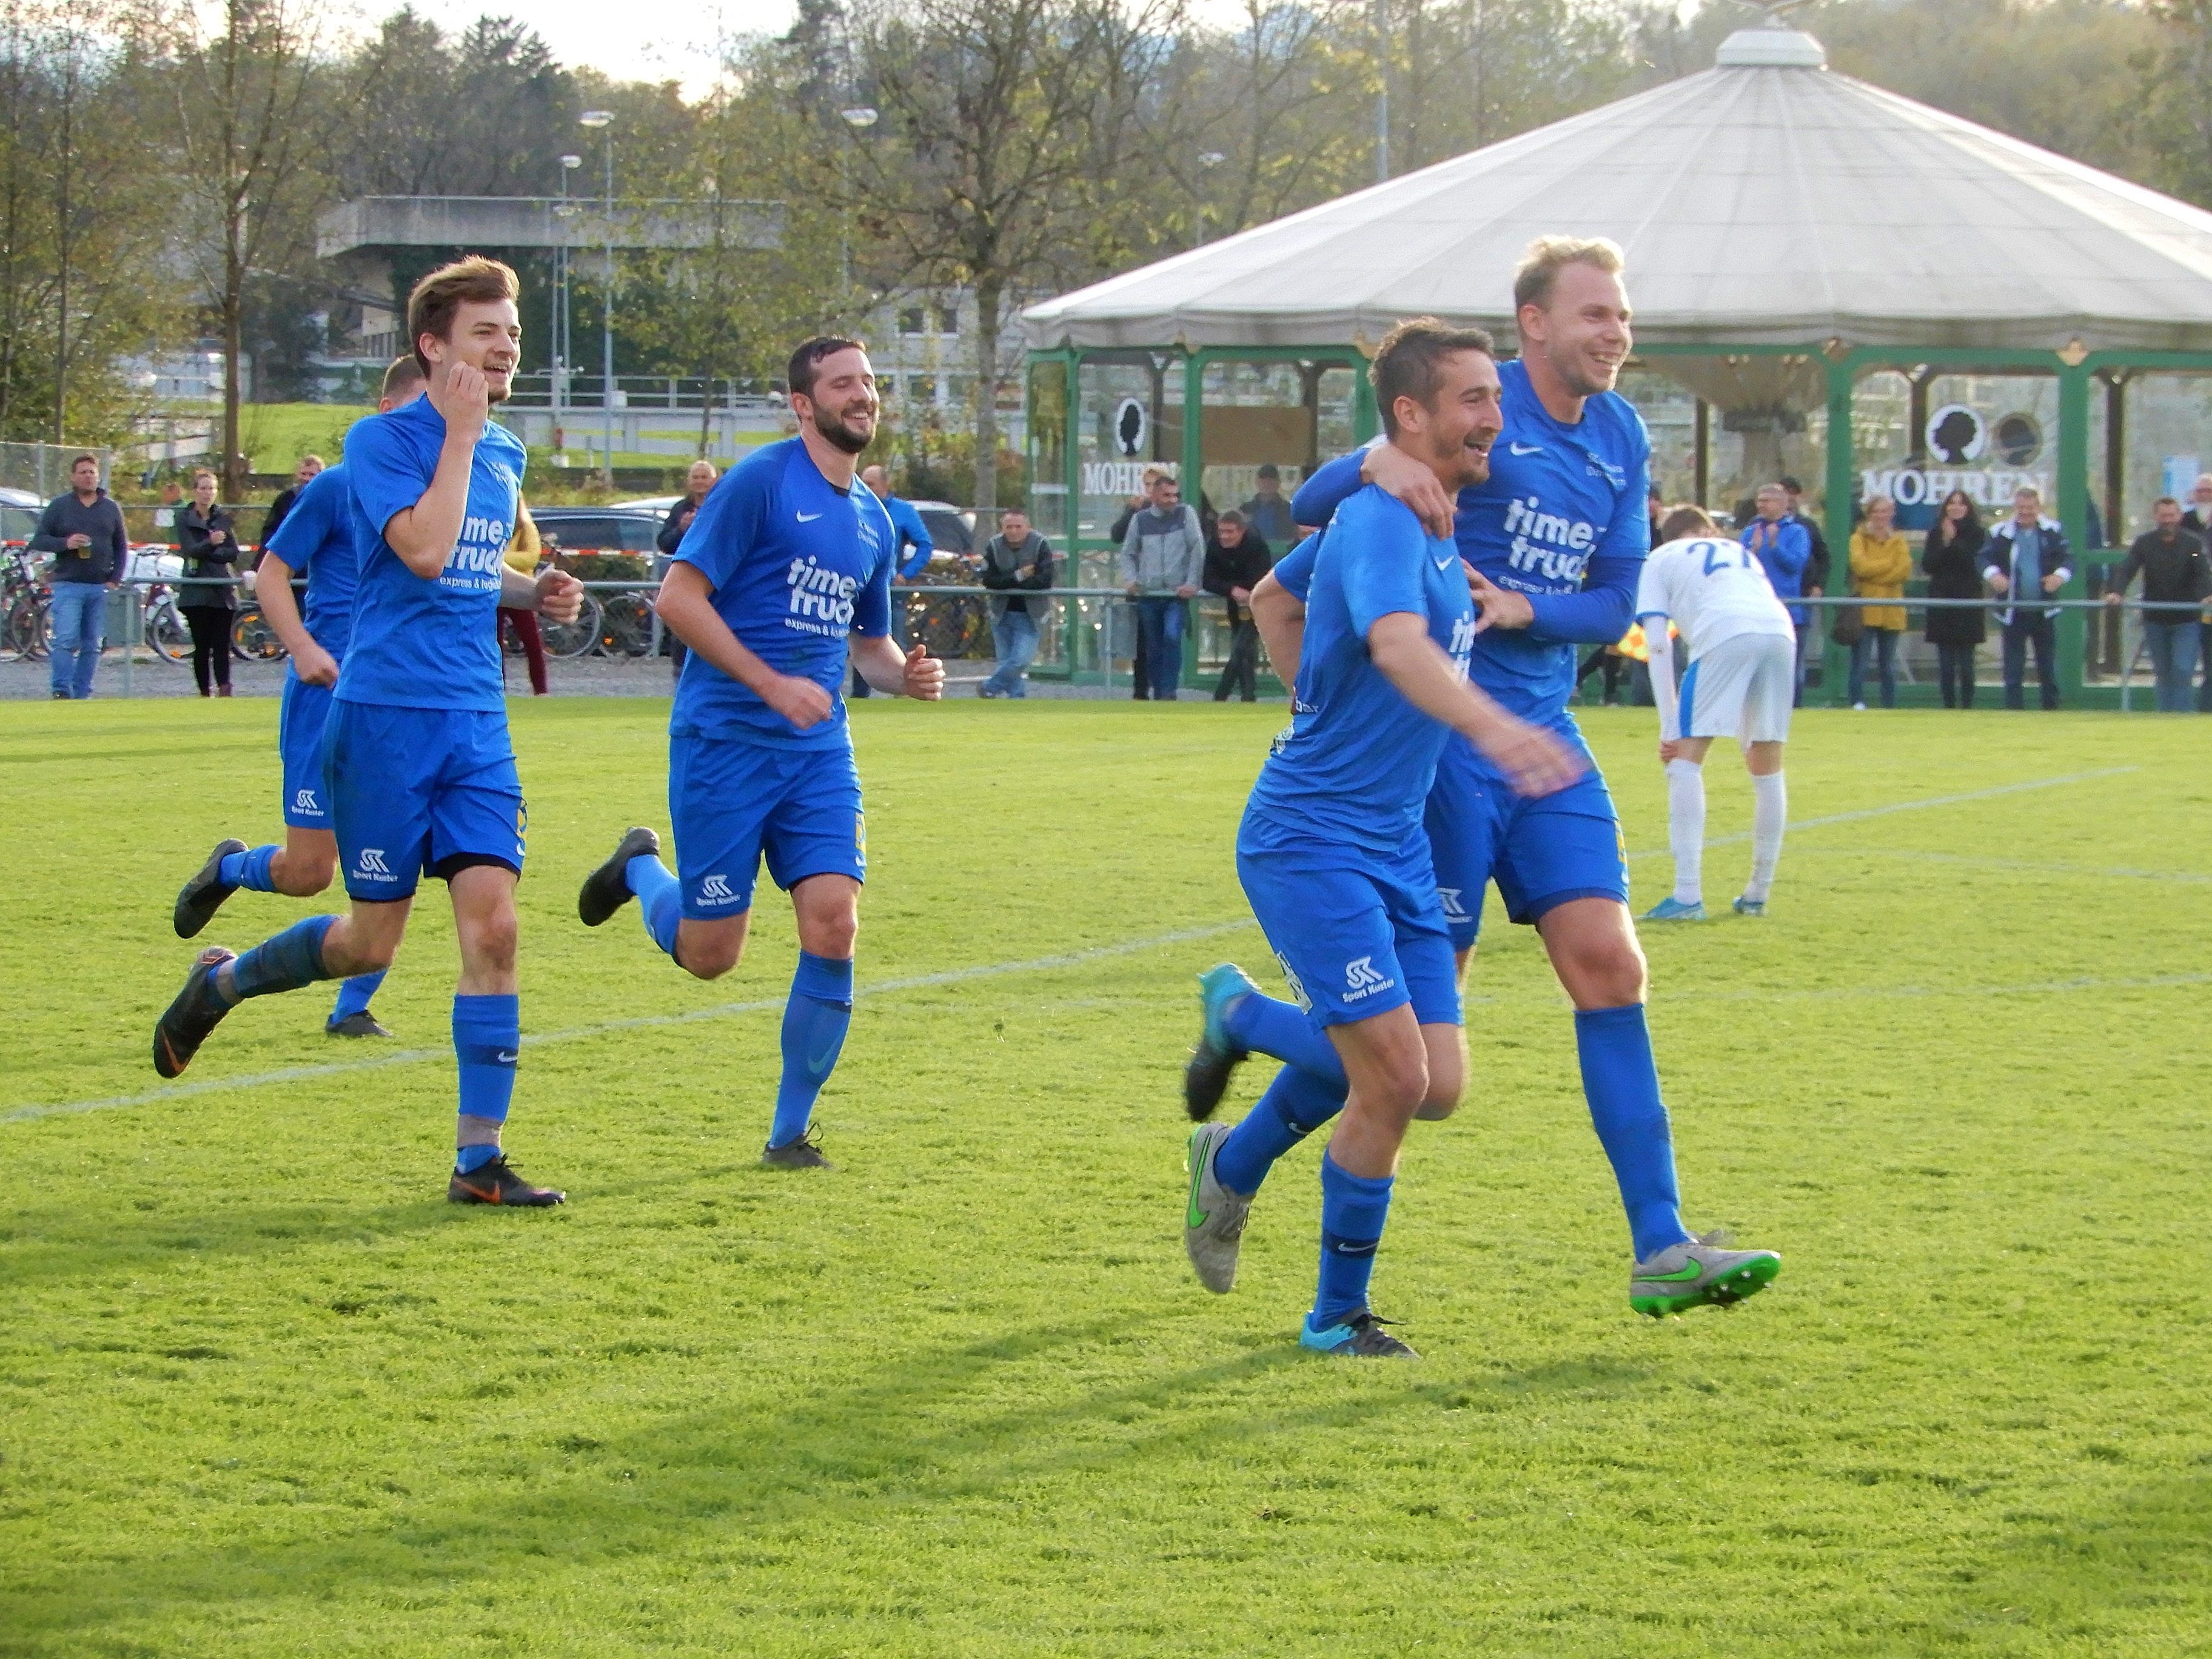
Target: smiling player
<point>784,575</point>
<point>419,765</point>
<point>1554,539</point>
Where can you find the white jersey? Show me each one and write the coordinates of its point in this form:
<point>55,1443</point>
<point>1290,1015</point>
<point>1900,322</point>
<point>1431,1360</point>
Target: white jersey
<point>1713,589</point>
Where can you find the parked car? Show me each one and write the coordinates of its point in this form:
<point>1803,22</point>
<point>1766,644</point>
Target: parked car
<point>19,515</point>
<point>952,529</point>
<point>656,505</point>
<point>624,529</point>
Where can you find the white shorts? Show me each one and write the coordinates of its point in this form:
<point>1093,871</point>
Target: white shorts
<point>1741,689</point>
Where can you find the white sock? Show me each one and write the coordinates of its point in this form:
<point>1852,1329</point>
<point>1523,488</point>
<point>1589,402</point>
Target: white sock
<point>1769,812</point>
<point>1686,829</point>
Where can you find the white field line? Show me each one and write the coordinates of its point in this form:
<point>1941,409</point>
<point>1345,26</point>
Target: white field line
<point>919,981</point>
<point>721,1011</point>
<point>2024,866</point>
<point>1911,807</point>
<point>1551,992</point>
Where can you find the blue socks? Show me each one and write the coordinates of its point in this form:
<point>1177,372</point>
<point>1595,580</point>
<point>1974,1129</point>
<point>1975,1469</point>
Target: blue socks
<point>291,959</point>
<point>1281,1029</point>
<point>660,898</point>
<point>354,995</point>
<point>249,869</point>
<point>1621,1082</point>
<point>1352,1211</point>
<point>487,1042</point>
<point>1295,1104</point>
<point>814,1025</point>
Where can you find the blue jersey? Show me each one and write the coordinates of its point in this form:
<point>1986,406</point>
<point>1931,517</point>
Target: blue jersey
<point>795,564</point>
<point>1357,761</point>
<point>1561,519</point>
<point>434,642</point>
<point>316,540</point>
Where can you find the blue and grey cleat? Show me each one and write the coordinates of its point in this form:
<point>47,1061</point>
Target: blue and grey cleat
<point>1360,1337</point>
<point>1671,908</point>
<point>1749,906</point>
<point>1205,1078</point>
<point>1213,1217</point>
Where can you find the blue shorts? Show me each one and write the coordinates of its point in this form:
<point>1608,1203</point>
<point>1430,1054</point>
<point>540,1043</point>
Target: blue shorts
<point>1358,934</point>
<point>729,801</point>
<point>302,720</point>
<point>1541,852</point>
<point>413,790</point>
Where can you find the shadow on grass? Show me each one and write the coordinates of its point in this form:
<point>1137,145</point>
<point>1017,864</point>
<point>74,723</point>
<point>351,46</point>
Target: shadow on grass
<point>868,1453</point>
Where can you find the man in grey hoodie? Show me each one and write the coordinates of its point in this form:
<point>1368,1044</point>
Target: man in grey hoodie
<point>1163,561</point>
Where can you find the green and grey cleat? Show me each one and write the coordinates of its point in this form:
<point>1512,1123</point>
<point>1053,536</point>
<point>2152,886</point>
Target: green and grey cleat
<point>203,896</point>
<point>1699,1273</point>
<point>1205,1078</point>
<point>1213,1217</point>
<point>1360,1337</point>
<point>802,1152</point>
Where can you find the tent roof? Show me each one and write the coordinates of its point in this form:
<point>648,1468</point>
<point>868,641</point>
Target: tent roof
<point>1766,201</point>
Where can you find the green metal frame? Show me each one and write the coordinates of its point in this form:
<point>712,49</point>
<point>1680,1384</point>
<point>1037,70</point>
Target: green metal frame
<point>1843,370</point>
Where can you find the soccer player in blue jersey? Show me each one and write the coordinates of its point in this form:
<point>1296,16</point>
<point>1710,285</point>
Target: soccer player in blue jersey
<point>1331,850</point>
<point>784,576</point>
<point>1554,539</point>
<point>315,540</point>
<point>418,765</point>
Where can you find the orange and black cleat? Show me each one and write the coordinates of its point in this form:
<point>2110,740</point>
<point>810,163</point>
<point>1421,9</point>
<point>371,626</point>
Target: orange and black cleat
<point>185,1023</point>
<point>496,1183</point>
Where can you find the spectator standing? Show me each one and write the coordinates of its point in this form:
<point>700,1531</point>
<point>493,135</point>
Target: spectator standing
<point>696,482</point>
<point>909,558</point>
<point>2198,521</point>
<point>210,548</point>
<point>2025,556</point>
<point>1655,509</point>
<point>1952,560</point>
<point>166,509</point>
<point>1236,559</point>
<point>1817,572</point>
<point>525,551</point>
<point>1017,569</point>
<point>2177,581</point>
<point>1268,515</point>
<point>82,528</point>
<point>1162,562</point>
<point>1783,548</point>
<point>1881,564</point>
<point>302,476</point>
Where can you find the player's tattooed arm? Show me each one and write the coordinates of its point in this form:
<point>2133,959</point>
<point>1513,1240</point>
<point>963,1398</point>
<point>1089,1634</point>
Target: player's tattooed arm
<point>1282,619</point>
<point>272,591</point>
<point>425,534</point>
<point>1536,761</point>
<point>1414,483</point>
<point>686,604</point>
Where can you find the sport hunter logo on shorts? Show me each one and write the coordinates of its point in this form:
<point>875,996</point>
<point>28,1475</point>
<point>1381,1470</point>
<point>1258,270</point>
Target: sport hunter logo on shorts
<point>716,889</point>
<point>371,867</point>
<point>303,800</point>
<point>1362,979</point>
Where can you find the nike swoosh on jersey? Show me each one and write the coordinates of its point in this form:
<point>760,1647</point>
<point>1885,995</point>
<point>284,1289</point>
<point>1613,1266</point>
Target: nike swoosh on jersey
<point>1525,449</point>
<point>1443,564</point>
<point>808,518</point>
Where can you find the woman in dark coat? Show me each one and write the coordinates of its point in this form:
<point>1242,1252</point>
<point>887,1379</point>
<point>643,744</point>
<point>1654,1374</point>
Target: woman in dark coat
<point>210,548</point>
<point>1953,562</point>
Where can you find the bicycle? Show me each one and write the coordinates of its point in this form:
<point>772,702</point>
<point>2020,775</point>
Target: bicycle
<point>25,626</point>
<point>626,624</point>
<point>252,638</point>
<point>168,637</point>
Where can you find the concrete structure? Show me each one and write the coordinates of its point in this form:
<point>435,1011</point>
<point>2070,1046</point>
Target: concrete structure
<point>370,222</point>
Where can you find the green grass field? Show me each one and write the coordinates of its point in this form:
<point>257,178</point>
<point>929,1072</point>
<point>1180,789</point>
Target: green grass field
<point>262,1392</point>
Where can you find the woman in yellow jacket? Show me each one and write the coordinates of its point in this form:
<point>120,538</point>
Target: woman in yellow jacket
<point>523,553</point>
<point>1882,560</point>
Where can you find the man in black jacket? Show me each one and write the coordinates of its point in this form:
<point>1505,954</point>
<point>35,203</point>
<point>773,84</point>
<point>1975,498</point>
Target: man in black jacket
<point>2198,520</point>
<point>1236,559</point>
<point>1016,569</point>
<point>696,482</point>
<point>1814,582</point>
<point>2176,582</point>
<point>83,530</point>
<point>302,475</point>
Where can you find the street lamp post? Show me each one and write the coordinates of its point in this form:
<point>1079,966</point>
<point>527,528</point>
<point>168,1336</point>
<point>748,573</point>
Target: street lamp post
<point>597,118</point>
<point>860,118</point>
<point>562,358</point>
<point>1207,160</point>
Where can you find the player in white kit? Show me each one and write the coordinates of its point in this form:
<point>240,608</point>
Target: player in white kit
<point>1742,670</point>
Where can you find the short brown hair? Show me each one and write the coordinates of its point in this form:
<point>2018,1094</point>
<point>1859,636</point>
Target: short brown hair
<point>799,374</point>
<point>2165,501</point>
<point>404,374</point>
<point>199,472</point>
<point>1409,363</point>
<point>1540,265</point>
<point>431,307</point>
<point>82,460</point>
<point>1686,520</point>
